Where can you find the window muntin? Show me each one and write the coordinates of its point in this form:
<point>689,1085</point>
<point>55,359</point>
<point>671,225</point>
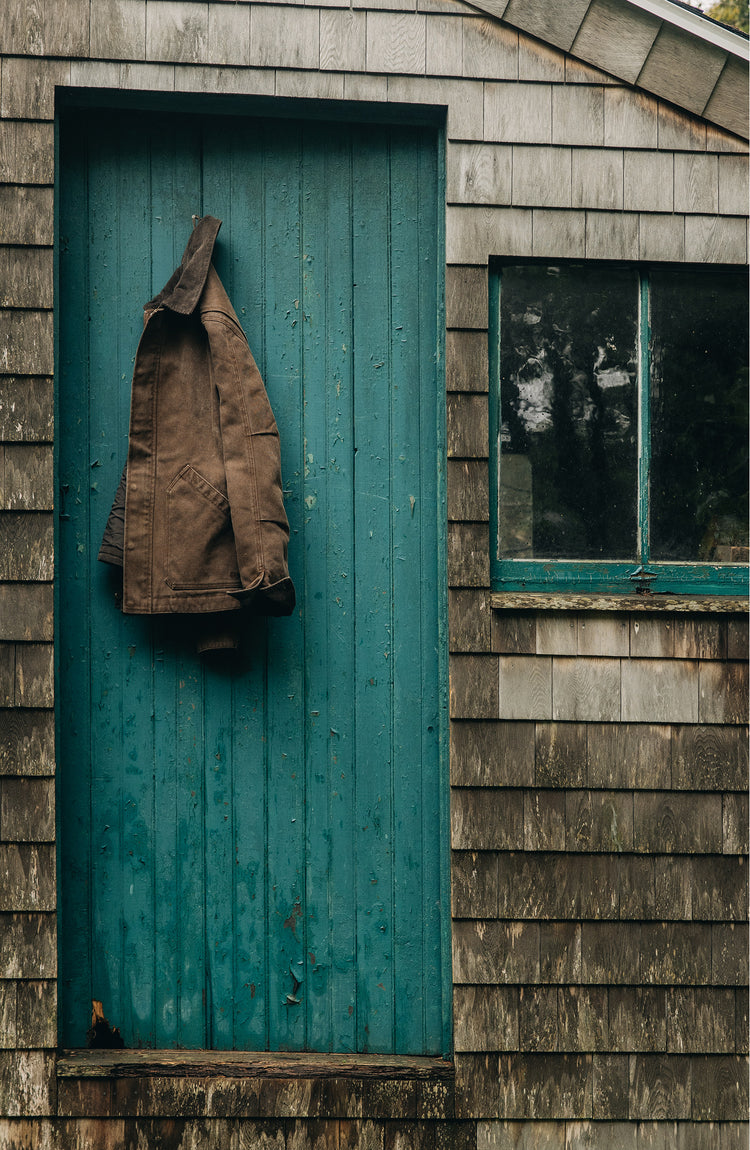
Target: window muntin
<point>619,415</point>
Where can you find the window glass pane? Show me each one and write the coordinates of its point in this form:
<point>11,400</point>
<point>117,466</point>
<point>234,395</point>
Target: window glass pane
<point>568,464</point>
<point>699,390</point>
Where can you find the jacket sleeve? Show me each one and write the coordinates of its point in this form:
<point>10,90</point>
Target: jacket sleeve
<point>252,464</point>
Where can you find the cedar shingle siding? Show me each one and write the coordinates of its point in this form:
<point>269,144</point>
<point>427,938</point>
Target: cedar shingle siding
<point>598,760</point>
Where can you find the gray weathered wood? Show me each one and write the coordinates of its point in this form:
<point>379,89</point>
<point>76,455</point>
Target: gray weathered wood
<point>486,1018</point>
<point>723,693</point>
<point>26,215</point>
<point>469,621</point>
<point>715,239</point>
<point>525,687</point>
<point>544,821</point>
<point>709,758</point>
<point>491,952</point>
<point>556,25</point>
<point>700,638</point>
<point>659,691</point>
<point>468,426</point>
<point>599,821</point>
<point>737,639</point>
<point>466,356</point>
<point>26,152</point>
<point>538,61</point>
<point>537,1019</point>
<point>719,889</point>
<point>513,634</point>
<point>733,185</point>
<point>700,1020</point>
<point>34,675</point>
<point>236,81</point>
<point>611,235</point>
<point>560,952</point>
<point>26,342</point>
<point>728,104</point>
<point>26,611</point>
<point>27,87</point>
<point>660,1087</point>
<point>468,555</point>
<point>490,49</point>
<point>662,238</point>
<point>650,181</point>
<point>555,634</point>
<point>652,637</point>
<point>36,28</point>
<point>673,884</point>
<point>466,299</point>
<point>630,119</point>
<point>395,42</point>
<point>473,233</point>
<point>616,38</point>
<point>177,31</point>
<point>149,77</point>
<point>723,1092</point>
<point>696,183</point>
<point>628,755</point>
<point>585,689</point>
<point>118,31</point>
<point>468,490</point>
<point>578,115</point>
<point>603,635</point>
<point>342,40</point>
<point>558,234</point>
<point>682,69</point>
<point>473,686</point>
<point>28,945</point>
<point>310,85</point>
<point>26,738</point>
<point>583,1022</point>
<point>678,130</point>
<point>27,877</point>
<point>610,1086</point>
<point>597,178</point>
<point>26,408</point>
<point>637,1018</point>
<point>541,176</point>
<point>669,822</point>
<point>479,173</point>
<point>26,545</point>
<point>561,755</point>
<point>27,810</point>
<point>228,34</point>
<point>486,820</point>
<point>27,1083</point>
<point>464,99</point>
<point>728,966</point>
<point>443,46</point>
<point>492,754</point>
<point>474,884</point>
<point>36,1017</point>
<point>735,822</point>
<point>25,478</point>
<point>518,113</point>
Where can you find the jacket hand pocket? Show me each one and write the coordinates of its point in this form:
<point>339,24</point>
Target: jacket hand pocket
<point>200,543</point>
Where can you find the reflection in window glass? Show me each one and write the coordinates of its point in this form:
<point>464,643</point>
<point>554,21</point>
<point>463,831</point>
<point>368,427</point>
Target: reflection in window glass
<point>699,412</point>
<point>568,465</point>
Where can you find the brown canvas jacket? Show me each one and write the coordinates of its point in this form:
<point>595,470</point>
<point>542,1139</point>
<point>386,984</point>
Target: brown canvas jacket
<point>198,523</point>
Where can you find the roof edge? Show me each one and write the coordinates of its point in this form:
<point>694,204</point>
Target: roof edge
<point>699,25</point>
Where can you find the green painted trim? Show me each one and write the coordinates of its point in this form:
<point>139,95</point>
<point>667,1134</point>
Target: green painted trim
<point>644,416</point>
<point>495,414</point>
<point>592,576</point>
<point>446,964</point>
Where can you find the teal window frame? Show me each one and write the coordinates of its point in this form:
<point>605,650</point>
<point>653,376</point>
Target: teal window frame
<point>596,576</point>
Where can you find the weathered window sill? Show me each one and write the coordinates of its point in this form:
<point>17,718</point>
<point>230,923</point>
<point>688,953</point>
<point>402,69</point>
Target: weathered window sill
<point>571,601</point>
<point>165,1083</point>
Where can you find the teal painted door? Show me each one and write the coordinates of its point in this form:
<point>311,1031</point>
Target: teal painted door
<point>252,847</point>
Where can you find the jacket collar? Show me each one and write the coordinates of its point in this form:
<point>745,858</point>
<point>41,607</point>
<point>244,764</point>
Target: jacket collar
<point>184,288</point>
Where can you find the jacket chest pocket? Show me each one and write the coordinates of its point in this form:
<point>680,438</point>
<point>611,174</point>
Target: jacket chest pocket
<point>201,553</point>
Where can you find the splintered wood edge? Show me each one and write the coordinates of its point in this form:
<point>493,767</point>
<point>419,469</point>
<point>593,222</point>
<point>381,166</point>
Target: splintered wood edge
<point>683,604</point>
<point>250,1064</point>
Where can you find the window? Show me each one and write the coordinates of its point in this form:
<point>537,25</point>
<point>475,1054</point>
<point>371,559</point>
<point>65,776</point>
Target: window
<point>619,410</point>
